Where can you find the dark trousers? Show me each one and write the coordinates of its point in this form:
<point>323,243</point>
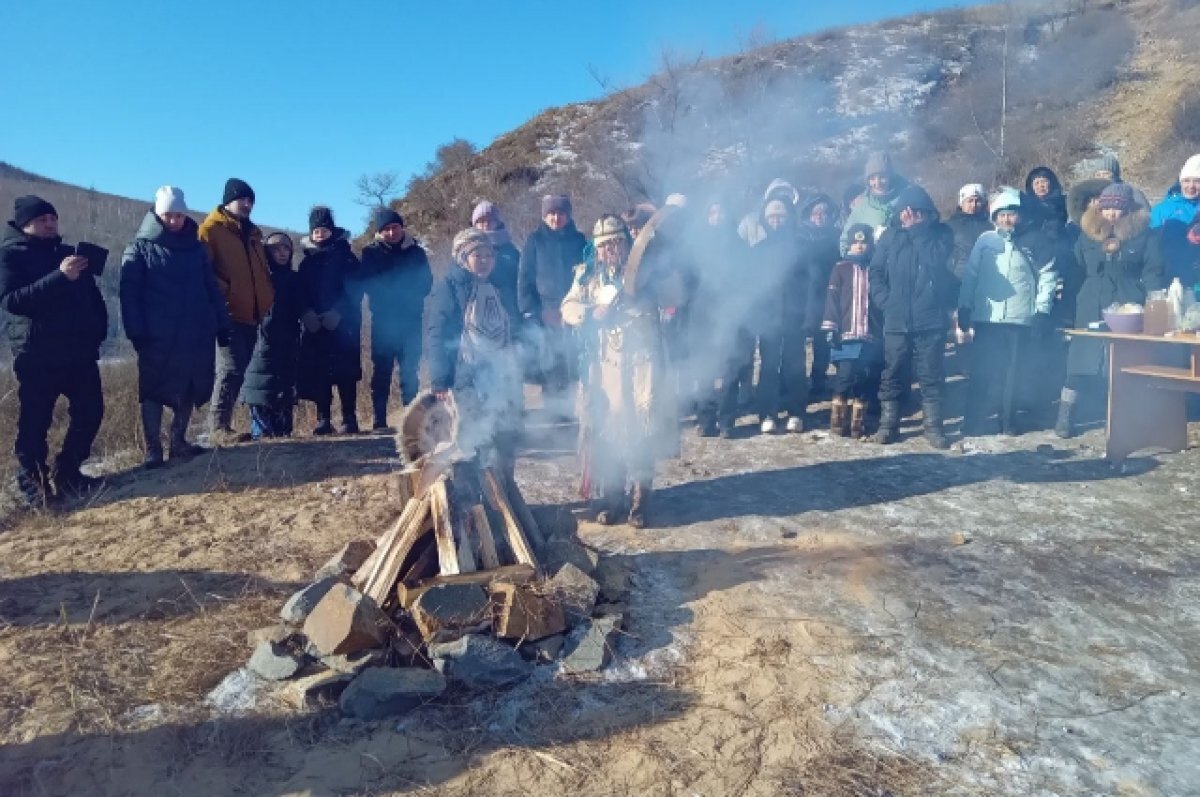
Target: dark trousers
<point>858,378</point>
<point>347,394</point>
<point>720,404</point>
<point>38,389</point>
<point>998,367</point>
<point>904,353</point>
<point>783,379</point>
<point>820,362</point>
<point>383,364</point>
<point>231,372</point>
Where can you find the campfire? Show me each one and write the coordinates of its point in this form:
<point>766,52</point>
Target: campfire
<point>464,586</point>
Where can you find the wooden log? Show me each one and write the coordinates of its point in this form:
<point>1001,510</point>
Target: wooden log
<point>498,499</point>
<point>382,545</point>
<point>443,529</point>
<point>406,593</point>
<point>412,527</point>
<point>425,565</point>
<point>524,514</point>
<point>406,484</point>
<point>487,543</point>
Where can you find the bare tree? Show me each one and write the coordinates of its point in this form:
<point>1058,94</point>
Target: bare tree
<point>376,190</point>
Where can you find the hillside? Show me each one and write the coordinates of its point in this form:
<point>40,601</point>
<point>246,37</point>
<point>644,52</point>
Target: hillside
<point>929,88</point>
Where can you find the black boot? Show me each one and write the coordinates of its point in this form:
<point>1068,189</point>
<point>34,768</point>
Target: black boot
<point>936,438</point>
<point>152,413</point>
<point>181,449</point>
<point>33,487</point>
<point>889,423</point>
<point>69,482</point>
<point>609,506</point>
<point>348,394</point>
<point>639,504</point>
<point>379,405</point>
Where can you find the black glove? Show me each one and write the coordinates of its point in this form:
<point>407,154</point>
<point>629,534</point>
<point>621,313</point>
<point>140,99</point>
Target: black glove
<point>224,338</point>
<point>833,339</point>
<point>964,319</point>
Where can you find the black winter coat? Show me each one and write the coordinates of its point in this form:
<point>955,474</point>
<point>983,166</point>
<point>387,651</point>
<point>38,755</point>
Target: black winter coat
<point>506,275</point>
<point>171,308</point>
<point>271,374</point>
<point>910,278</point>
<point>397,280</point>
<point>784,283</point>
<point>819,253</point>
<point>53,322</point>
<point>547,268</point>
<point>967,227</point>
<point>444,326</point>
<point>328,279</point>
<point>1102,278</point>
<point>1051,210</point>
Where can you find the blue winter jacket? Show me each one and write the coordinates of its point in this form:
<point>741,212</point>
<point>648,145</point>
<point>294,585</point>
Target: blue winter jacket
<point>1173,216</point>
<point>1008,279</point>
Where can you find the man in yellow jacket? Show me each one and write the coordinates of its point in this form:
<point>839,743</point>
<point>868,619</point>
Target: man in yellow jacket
<point>235,247</point>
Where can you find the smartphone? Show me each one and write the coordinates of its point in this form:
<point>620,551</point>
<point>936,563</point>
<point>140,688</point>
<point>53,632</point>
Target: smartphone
<point>96,256</point>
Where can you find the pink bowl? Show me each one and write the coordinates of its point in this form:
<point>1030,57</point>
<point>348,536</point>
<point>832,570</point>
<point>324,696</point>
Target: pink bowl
<point>1125,323</point>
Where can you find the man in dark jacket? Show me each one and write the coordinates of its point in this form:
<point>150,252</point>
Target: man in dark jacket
<point>396,277</point>
<point>547,269</point>
<point>1044,197</point>
<point>57,321</point>
<point>911,284</point>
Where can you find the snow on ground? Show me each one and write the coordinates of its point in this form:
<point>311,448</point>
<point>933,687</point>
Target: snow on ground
<point>1028,614</point>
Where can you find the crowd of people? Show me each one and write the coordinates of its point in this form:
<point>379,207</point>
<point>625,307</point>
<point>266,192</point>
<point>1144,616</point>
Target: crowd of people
<point>666,313</point>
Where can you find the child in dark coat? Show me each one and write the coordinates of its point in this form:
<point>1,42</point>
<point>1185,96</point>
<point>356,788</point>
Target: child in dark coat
<point>852,330</point>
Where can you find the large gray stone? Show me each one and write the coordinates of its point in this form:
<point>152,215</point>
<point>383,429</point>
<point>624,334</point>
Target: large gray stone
<point>562,550</point>
<point>274,662</point>
<point>576,591</point>
<point>446,609</point>
<point>300,605</point>
<point>589,647</point>
<point>613,577</point>
<point>380,692</point>
<point>479,662</point>
<point>308,691</point>
<point>354,663</point>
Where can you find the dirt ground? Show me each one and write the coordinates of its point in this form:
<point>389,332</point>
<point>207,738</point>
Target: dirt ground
<point>812,616</point>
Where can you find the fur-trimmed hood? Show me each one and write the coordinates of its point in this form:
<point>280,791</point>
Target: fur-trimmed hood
<point>1081,196</point>
<point>1126,228</point>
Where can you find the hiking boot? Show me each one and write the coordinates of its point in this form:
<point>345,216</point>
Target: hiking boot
<point>934,435</point>
<point>182,450</point>
<point>706,427</point>
<point>767,426</point>
<point>153,459</point>
<point>608,509</point>
<point>839,419</point>
<point>639,504</point>
<point>33,490</point>
<point>858,419</point>
<point>74,484</point>
<point>351,427</point>
<point>889,423</point>
<point>795,424</point>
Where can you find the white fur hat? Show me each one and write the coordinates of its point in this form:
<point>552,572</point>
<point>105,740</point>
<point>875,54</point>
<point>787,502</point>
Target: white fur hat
<point>971,189</point>
<point>1005,199</point>
<point>1191,168</point>
<point>169,199</point>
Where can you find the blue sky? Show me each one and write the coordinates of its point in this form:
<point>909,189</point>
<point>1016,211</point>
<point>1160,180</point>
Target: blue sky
<point>301,97</point>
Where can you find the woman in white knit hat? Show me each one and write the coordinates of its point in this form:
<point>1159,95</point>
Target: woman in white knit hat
<point>1174,216</point>
<point>174,315</point>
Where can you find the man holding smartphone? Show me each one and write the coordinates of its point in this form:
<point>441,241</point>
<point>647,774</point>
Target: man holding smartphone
<point>57,321</point>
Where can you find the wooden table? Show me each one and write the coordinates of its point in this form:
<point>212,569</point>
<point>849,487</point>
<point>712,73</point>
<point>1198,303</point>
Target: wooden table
<point>1147,390</point>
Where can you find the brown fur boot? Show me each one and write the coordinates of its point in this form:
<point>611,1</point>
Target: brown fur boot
<point>839,418</point>
<point>639,504</point>
<point>858,418</point>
